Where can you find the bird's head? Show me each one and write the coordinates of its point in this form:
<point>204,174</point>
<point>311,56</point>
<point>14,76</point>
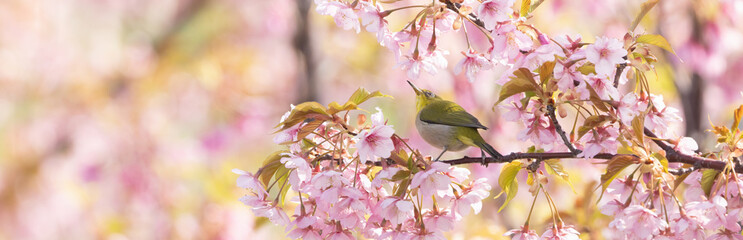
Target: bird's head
<point>423,97</point>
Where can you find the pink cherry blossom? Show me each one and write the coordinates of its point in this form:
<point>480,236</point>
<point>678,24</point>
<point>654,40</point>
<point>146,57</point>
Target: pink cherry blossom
<point>395,210</point>
<point>599,139</point>
<point>472,64</point>
<point>567,76</point>
<point>540,131</point>
<point>429,62</point>
<point>508,43</point>
<point>375,142</point>
<point>561,233</point>
<point>345,17</point>
<point>427,234</point>
<point>303,228</point>
<point>373,18</point>
<point>302,172</point>
<point>338,234</point>
<point>523,233</point>
<point>274,213</point>
<point>604,87</point>
<point>514,110</point>
<point>433,181</point>
<point>493,11</point>
<point>711,214</point>
<point>471,197</point>
<point>660,116</point>
<point>726,235</point>
<point>605,54</point>
<point>248,181</point>
<point>685,227</point>
<point>439,220</point>
<point>638,222</point>
<point>686,145</point>
<point>629,107</point>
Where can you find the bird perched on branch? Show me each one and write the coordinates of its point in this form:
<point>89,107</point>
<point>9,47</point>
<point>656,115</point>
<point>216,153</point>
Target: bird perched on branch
<point>446,125</point>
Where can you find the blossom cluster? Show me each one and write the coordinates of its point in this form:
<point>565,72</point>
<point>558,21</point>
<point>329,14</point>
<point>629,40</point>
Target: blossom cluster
<point>576,69</point>
<point>340,192</point>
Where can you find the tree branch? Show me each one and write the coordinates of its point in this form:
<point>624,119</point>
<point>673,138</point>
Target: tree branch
<point>558,129</point>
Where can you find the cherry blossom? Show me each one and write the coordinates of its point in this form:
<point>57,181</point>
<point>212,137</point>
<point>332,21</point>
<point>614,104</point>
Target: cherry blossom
<point>603,87</point>
<point>523,233</point>
<point>539,131</point>
<point>508,42</point>
<point>302,172</point>
<point>375,142</point>
<point>560,233</point>
<point>686,145</point>
<point>493,11</point>
<point>472,64</point>
<point>471,197</point>
<point>395,210</point>
<point>433,181</point>
<point>605,54</point>
<point>372,17</point>
<point>345,16</point>
<point>429,62</point>
<point>638,222</point>
<point>598,140</point>
<point>629,107</point>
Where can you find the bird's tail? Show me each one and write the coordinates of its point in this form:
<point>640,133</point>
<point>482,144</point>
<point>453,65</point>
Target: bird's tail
<point>489,149</point>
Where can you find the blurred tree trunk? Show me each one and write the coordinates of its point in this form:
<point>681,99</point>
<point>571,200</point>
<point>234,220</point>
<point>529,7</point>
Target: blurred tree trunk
<point>306,84</point>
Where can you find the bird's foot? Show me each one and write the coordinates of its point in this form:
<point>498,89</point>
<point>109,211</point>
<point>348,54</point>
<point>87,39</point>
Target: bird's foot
<point>483,160</point>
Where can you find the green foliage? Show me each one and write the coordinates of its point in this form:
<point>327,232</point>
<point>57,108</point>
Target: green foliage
<point>614,167</point>
<point>507,181</point>
<point>523,81</point>
<point>554,167</point>
<point>656,40</point>
<point>708,179</point>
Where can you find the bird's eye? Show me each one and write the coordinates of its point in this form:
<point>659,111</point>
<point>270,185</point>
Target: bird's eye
<point>429,94</point>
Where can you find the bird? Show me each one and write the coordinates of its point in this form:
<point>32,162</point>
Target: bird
<point>446,125</point>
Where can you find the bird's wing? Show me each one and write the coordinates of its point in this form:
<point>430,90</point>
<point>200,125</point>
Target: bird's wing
<point>448,113</point>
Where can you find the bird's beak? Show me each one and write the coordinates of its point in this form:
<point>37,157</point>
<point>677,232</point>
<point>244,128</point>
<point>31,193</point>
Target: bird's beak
<point>416,89</point>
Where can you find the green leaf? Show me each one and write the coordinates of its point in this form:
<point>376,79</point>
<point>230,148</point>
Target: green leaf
<point>525,7</point>
<point>522,81</point>
<point>282,183</point>
<point>591,123</point>
<point>708,179</point>
<point>595,99</point>
<point>587,68</point>
<point>638,127</point>
<point>309,127</point>
<point>402,188</point>
<point>554,167</point>
<point>399,175</point>
<point>270,165</point>
<point>613,168</point>
<point>546,71</point>
<point>738,114</point>
<point>507,181</point>
<point>657,40</point>
<point>303,111</point>
<point>358,97</point>
<point>644,9</point>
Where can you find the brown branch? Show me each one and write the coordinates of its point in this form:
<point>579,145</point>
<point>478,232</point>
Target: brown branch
<point>699,162</point>
<point>618,74</point>
<point>558,129</point>
<point>511,157</point>
<point>455,7</point>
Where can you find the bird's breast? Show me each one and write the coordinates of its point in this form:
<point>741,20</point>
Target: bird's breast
<point>439,135</point>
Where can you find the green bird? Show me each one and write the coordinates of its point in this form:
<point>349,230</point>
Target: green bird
<point>446,125</point>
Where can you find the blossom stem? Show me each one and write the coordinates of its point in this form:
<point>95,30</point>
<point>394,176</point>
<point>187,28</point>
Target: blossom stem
<point>531,209</point>
<point>387,12</point>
